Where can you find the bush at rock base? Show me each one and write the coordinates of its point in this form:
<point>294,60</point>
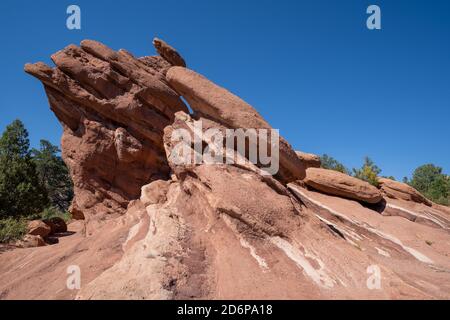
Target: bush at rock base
<point>53,212</point>
<point>12,229</point>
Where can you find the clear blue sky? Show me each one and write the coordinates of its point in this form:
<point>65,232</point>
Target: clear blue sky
<point>311,68</point>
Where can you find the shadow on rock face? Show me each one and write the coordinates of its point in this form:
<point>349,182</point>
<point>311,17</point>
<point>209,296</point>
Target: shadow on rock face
<point>378,207</point>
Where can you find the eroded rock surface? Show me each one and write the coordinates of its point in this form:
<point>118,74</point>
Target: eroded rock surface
<point>398,190</point>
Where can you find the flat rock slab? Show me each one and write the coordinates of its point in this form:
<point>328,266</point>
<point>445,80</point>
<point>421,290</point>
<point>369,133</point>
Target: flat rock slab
<point>340,184</point>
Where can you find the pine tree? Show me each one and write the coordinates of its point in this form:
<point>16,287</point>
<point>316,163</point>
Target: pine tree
<point>21,193</point>
<point>328,162</point>
<point>429,180</point>
<point>53,174</point>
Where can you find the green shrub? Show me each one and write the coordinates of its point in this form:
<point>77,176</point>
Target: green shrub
<point>12,229</point>
<point>369,172</point>
<point>52,212</point>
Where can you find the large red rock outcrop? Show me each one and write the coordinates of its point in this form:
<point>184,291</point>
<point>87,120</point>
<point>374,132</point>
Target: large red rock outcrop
<point>113,108</point>
<point>174,230</point>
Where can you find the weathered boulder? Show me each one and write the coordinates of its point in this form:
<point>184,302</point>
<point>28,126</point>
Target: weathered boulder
<point>339,184</point>
<point>309,160</point>
<point>31,241</point>
<point>56,224</point>
<point>213,102</point>
<point>113,108</point>
<point>398,190</point>
<point>38,228</point>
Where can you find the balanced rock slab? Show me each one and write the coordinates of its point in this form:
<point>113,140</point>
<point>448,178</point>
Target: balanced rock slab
<point>339,184</point>
<point>309,160</point>
<point>168,53</point>
<point>213,102</point>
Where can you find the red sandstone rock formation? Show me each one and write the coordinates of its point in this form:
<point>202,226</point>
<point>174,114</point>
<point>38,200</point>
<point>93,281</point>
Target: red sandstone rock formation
<point>113,108</point>
<point>159,229</point>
